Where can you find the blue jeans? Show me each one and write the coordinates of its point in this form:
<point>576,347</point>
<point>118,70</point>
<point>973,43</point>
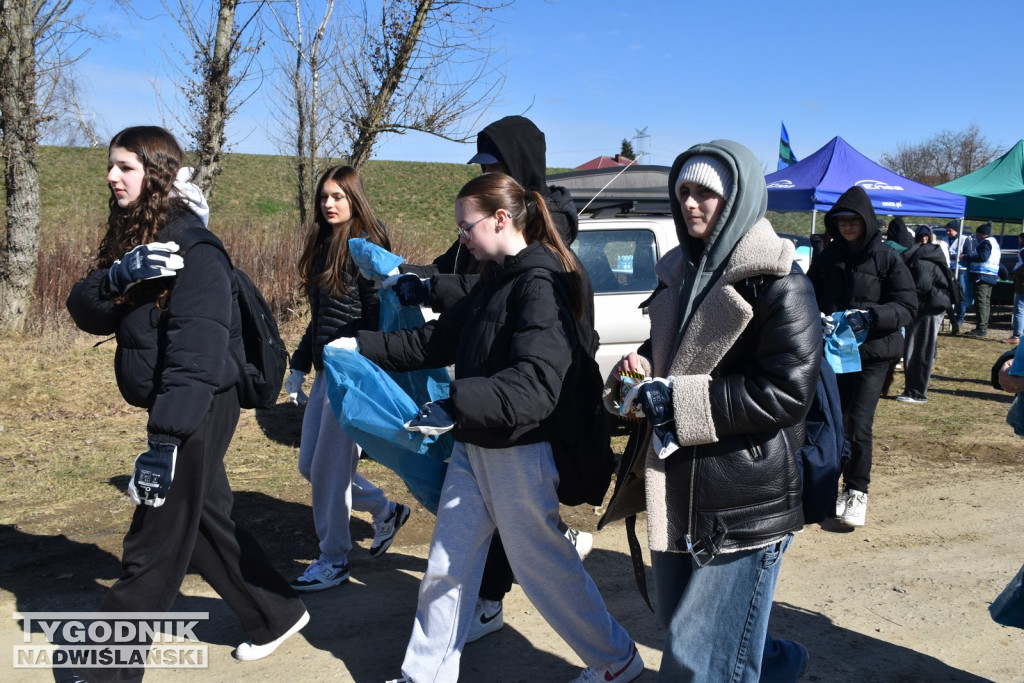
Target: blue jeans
<point>717,616</point>
<point>1018,315</point>
<point>967,287</point>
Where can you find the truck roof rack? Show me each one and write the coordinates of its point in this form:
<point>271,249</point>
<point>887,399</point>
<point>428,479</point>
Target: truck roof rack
<point>633,189</point>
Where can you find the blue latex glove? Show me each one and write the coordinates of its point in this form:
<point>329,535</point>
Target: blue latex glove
<point>153,473</point>
<point>410,290</point>
<point>859,320</point>
<point>434,418</point>
<point>144,262</point>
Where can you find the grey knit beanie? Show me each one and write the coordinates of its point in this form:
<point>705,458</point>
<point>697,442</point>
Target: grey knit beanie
<point>707,171</point>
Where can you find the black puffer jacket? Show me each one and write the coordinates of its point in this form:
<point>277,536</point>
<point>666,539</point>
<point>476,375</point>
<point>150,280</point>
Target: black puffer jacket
<point>358,308</point>
<point>509,340</point>
<point>171,363</point>
<point>932,279</point>
<point>848,277</point>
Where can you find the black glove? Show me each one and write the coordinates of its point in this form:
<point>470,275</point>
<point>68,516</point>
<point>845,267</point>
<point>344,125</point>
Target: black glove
<point>153,473</point>
<point>655,398</point>
<point>411,291</point>
<point>434,418</point>
<point>859,320</point>
<point>144,262</point>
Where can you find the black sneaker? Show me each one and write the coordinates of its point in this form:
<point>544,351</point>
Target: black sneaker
<point>978,332</point>
<point>384,532</point>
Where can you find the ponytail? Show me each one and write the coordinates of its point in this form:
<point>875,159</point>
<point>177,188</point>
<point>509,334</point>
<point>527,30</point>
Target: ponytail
<point>494,191</point>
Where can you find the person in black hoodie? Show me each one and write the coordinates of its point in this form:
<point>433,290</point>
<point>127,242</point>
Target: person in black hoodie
<point>935,293</point>
<point>515,146</point>
<point>857,275</point>
<point>176,320</point>
<point>511,340</point>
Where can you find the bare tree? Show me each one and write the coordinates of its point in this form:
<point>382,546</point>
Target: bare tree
<point>211,72</point>
<point>942,157</point>
<point>308,126</point>
<point>417,65</point>
<point>35,38</point>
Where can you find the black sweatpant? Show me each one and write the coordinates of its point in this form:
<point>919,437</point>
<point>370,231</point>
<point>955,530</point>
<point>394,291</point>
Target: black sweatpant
<point>194,526</point>
<point>858,394</point>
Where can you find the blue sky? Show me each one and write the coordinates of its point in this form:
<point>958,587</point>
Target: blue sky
<point>592,72</point>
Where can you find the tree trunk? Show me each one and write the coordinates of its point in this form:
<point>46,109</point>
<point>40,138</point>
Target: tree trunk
<point>18,121</point>
<point>362,148</point>
<point>216,86</point>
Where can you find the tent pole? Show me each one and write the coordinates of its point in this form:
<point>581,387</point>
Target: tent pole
<point>814,217</point>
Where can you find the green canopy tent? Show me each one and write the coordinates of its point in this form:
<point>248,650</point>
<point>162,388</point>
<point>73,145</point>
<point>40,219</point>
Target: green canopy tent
<point>995,192</point>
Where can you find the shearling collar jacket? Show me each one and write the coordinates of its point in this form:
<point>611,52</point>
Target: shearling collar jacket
<point>743,378</point>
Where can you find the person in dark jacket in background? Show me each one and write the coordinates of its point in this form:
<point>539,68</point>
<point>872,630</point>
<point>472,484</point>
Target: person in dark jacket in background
<point>857,275</point>
<point>936,292</point>
<point>983,265</point>
<point>898,235</point>
<point>511,341</point>
<point>1017,321</point>
<point>341,301</point>
<point>176,321</point>
<point>733,364</point>
<point>514,146</point>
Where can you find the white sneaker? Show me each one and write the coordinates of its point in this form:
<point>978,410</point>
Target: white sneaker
<point>581,540</point>
<point>621,672</point>
<point>247,652</point>
<point>903,398</point>
<point>488,617</point>
<point>856,509</point>
<point>841,500</point>
<point>321,575</point>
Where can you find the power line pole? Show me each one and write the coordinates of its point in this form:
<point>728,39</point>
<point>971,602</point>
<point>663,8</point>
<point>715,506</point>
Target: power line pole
<point>641,144</point>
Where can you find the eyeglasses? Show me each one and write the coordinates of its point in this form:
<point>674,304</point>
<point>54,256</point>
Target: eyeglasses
<point>465,231</point>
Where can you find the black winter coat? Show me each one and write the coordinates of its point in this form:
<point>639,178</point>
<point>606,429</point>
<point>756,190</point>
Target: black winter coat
<point>509,341</point>
<point>171,362</point>
<point>357,308</point>
<point>932,279</point>
<point>870,277</point>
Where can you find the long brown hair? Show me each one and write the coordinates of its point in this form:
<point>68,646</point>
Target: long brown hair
<point>323,240</point>
<point>492,191</point>
<point>139,222</point>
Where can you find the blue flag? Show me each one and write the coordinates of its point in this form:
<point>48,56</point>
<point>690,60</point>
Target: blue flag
<point>786,157</point>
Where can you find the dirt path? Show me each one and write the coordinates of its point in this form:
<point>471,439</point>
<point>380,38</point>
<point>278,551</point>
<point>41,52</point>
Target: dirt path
<point>904,599</point>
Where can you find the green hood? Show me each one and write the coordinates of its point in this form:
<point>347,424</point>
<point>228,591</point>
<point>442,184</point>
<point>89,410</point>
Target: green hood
<point>746,204</point>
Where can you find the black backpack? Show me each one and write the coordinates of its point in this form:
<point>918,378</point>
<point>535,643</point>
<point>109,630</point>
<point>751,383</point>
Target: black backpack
<point>261,370</point>
<point>580,427</point>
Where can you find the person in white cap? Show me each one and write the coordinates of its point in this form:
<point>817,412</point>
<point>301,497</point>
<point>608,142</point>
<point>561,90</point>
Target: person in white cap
<point>734,359</point>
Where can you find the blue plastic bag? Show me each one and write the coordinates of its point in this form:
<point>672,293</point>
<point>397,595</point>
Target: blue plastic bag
<point>842,347</point>
<point>373,409</point>
<point>373,405</point>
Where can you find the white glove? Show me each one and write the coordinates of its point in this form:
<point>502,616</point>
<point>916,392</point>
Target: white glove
<point>828,325</point>
<point>345,343</point>
<point>293,387</point>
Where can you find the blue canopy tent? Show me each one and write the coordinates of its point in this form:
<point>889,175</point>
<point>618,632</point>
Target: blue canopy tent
<point>817,181</point>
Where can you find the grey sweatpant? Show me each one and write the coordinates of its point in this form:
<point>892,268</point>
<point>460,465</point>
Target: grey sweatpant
<point>513,490</point>
<point>328,458</point>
